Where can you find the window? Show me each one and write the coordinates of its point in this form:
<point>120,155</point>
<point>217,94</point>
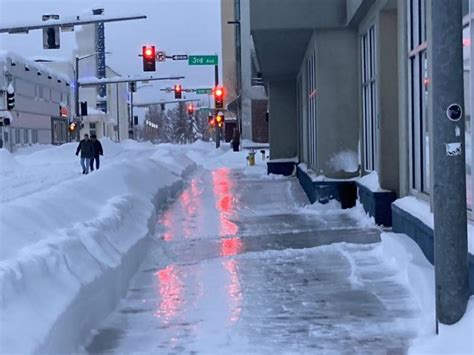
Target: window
<point>311,109</point>
<point>369,103</point>
<point>26,139</point>
<point>418,98</point>
<point>17,136</point>
<point>92,128</point>
<point>34,136</point>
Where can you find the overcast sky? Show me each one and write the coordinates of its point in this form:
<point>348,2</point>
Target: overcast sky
<point>176,26</point>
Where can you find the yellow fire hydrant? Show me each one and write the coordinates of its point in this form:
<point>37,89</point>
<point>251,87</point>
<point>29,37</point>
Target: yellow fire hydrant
<point>251,158</point>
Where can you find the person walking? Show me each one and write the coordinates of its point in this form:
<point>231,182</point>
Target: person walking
<point>98,151</point>
<point>87,152</point>
<point>236,140</point>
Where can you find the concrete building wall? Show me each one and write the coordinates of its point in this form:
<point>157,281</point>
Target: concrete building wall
<point>337,109</point>
<point>228,50</point>
<point>117,100</point>
<point>283,133</point>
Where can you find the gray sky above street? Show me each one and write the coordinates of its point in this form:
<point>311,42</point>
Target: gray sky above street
<point>176,26</point>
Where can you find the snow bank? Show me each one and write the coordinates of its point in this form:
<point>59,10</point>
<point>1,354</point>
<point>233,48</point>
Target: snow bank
<point>70,242</point>
<point>417,274</point>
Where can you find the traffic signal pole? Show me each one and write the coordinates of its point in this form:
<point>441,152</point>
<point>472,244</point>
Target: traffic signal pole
<point>217,128</point>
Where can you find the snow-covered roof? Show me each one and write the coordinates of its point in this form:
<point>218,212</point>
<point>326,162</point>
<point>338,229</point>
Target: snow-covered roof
<point>16,58</point>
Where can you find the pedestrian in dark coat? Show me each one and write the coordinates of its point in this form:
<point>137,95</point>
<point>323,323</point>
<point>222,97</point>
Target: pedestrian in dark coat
<point>98,151</point>
<point>87,152</point>
<point>236,140</point>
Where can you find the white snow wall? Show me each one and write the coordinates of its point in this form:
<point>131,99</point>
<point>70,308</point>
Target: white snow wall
<point>54,292</point>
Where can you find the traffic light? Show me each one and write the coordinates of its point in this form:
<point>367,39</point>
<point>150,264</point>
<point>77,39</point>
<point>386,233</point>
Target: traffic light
<point>132,86</point>
<point>220,119</point>
<point>10,97</point>
<point>72,126</point>
<point>51,37</point>
<point>178,91</point>
<point>4,122</point>
<point>219,97</point>
<point>149,58</point>
<point>211,120</point>
<point>190,109</point>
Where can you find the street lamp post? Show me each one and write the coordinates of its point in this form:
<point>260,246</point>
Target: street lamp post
<point>76,79</point>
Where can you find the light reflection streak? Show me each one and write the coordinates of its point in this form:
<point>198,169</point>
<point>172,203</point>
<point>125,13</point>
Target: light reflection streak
<point>234,290</point>
<point>171,293</point>
<point>224,191</point>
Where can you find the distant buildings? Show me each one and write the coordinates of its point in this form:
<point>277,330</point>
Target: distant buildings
<point>246,97</point>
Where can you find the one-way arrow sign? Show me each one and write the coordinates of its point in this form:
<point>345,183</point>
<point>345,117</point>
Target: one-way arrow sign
<point>179,57</point>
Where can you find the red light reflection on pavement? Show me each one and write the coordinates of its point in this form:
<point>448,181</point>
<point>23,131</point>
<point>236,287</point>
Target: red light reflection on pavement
<point>231,246</point>
<point>167,222</point>
<point>171,292</point>
<point>234,290</point>
<point>223,190</point>
<point>181,215</point>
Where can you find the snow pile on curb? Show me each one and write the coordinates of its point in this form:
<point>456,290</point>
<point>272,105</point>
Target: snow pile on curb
<point>417,272</point>
<point>70,246</point>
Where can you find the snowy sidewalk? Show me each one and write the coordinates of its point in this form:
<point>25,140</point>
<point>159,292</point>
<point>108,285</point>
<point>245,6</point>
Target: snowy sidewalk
<point>237,266</point>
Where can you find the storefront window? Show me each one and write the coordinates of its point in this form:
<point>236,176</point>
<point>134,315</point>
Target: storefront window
<point>311,108</point>
<point>419,82</point>
<point>369,107</point>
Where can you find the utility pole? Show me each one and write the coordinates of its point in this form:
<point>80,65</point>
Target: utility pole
<point>449,168</point>
<point>131,116</point>
<point>218,129</point>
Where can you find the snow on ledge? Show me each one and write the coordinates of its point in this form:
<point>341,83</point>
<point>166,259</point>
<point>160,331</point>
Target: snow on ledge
<point>320,178</point>
<point>421,210</point>
<point>371,181</point>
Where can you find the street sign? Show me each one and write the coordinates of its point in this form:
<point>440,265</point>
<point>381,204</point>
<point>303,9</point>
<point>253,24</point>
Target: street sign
<point>160,56</point>
<point>206,110</point>
<point>204,91</point>
<point>202,60</point>
<point>179,57</point>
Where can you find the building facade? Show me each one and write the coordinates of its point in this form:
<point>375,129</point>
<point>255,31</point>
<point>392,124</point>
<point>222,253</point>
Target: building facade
<point>350,87</point>
<point>246,97</point>
<point>114,121</point>
<point>42,103</point>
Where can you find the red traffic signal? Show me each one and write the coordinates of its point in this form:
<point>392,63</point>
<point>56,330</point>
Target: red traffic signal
<point>149,58</point>
<point>211,120</point>
<point>190,109</point>
<point>178,91</point>
<point>219,97</point>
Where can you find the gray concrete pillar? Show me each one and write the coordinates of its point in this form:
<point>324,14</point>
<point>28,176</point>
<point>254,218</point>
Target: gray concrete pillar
<point>282,107</point>
<point>449,169</point>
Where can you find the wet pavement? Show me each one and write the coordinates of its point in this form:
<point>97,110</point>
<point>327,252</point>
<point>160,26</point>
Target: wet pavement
<point>238,265</point>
